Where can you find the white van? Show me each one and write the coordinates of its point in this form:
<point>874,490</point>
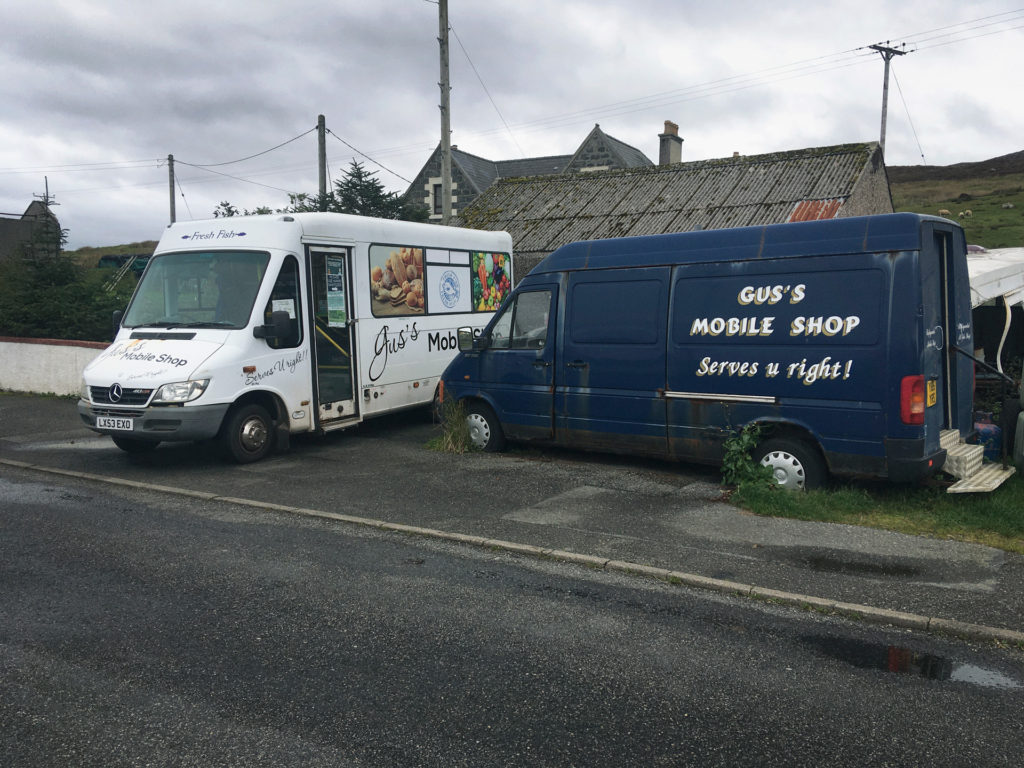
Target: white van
<point>250,329</point>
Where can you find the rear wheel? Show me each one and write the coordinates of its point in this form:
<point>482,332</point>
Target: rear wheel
<point>134,445</point>
<point>795,464</point>
<point>248,434</point>
<point>484,428</point>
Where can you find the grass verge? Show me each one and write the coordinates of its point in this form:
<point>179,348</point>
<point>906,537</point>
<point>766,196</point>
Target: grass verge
<point>995,519</point>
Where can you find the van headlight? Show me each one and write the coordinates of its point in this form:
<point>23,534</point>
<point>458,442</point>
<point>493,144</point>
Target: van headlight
<point>181,391</point>
<point>84,392</point>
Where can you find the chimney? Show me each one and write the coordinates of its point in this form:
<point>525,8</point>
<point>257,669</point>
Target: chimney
<point>670,149</point>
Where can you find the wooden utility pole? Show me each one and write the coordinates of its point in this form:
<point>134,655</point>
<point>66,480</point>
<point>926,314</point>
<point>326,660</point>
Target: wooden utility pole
<point>887,54</point>
<point>321,130</point>
<point>170,180</point>
<point>446,138</point>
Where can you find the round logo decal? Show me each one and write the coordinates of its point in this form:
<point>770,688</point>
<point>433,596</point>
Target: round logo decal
<point>450,289</point>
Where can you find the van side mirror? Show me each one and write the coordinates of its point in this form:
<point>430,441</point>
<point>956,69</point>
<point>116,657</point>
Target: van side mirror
<point>279,327</point>
<point>116,322</point>
<point>465,339</point>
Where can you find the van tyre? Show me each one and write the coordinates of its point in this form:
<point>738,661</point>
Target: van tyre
<point>796,465</point>
<point>248,434</point>
<point>485,430</point>
<point>135,446</point>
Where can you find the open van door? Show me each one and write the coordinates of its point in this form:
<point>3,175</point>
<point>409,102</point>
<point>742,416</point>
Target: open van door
<point>946,325</point>
<point>330,273</point>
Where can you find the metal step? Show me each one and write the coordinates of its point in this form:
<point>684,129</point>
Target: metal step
<point>948,438</point>
<point>990,477</point>
<point>964,460</point>
<point>966,463</point>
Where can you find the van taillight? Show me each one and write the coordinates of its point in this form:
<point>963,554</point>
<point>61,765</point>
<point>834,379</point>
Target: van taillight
<point>912,399</point>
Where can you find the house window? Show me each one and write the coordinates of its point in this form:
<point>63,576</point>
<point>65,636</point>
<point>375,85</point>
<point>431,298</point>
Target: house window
<point>434,198</point>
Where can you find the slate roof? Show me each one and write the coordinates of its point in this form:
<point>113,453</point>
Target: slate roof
<point>543,212</point>
<point>481,173</point>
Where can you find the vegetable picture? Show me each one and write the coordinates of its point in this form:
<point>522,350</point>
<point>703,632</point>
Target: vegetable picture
<point>491,283</point>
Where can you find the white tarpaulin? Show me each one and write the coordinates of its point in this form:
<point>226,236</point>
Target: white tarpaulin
<point>996,272</point>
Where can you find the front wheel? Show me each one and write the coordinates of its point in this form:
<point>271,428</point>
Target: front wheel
<point>795,465</point>
<point>485,431</point>
<point>248,434</point>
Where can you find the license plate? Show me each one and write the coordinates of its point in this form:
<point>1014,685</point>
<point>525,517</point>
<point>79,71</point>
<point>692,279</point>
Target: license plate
<point>110,422</point>
<point>933,396</point>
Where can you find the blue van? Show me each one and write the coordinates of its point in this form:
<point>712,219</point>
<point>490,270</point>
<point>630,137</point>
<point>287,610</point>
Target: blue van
<point>848,341</point>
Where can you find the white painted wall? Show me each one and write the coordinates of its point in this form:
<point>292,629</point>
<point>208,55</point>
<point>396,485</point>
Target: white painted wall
<point>45,365</point>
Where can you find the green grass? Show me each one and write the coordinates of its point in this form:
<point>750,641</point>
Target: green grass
<point>990,224</point>
<point>454,437</point>
<point>995,519</point>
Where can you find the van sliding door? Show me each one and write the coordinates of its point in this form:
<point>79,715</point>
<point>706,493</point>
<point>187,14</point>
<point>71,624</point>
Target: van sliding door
<point>611,368</point>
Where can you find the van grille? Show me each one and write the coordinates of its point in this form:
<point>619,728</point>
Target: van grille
<point>129,396</point>
<point>118,413</point>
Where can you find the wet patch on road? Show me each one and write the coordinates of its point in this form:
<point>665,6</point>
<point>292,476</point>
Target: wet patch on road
<point>907,661</point>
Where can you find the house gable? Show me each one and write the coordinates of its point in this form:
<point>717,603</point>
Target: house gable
<point>601,152</point>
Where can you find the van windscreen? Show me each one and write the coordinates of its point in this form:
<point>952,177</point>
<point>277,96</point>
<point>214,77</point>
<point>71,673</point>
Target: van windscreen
<point>210,289</point>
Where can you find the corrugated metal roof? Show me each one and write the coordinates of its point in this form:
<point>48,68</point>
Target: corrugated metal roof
<point>815,210</point>
<point>543,213</point>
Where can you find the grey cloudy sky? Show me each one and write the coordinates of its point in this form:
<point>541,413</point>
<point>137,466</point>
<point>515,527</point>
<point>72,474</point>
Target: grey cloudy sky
<point>96,93</point>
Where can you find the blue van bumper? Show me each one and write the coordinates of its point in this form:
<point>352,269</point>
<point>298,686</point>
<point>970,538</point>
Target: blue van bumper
<point>906,460</point>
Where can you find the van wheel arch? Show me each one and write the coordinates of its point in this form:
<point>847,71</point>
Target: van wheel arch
<point>793,454</point>
<point>252,427</point>
<point>485,429</point>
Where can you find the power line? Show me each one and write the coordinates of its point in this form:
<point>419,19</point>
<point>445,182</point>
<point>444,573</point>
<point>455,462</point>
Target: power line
<point>250,157</point>
<point>375,162</point>
<point>909,119</point>
<point>486,91</point>
<point>229,176</point>
<point>113,165</point>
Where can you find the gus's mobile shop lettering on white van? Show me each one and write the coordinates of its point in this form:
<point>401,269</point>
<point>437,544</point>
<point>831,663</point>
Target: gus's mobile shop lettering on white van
<point>257,328</point>
<point>847,341</point>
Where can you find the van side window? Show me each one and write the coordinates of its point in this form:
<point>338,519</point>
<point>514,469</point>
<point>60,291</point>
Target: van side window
<point>530,325</point>
<point>285,298</point>
<point>502,329</point>
<point>524,323</point>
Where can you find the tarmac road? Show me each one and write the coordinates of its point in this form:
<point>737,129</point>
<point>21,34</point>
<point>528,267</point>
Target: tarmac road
<point>654,518</point>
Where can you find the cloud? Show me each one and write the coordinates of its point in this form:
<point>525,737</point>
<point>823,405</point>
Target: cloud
<point>124,84</point>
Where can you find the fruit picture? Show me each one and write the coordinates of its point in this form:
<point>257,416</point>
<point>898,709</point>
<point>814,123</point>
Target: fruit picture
<point>491,282</point>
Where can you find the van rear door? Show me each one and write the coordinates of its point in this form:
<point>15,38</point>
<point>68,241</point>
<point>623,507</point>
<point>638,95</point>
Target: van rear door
<point>610,378</point>
<point>946,324</point>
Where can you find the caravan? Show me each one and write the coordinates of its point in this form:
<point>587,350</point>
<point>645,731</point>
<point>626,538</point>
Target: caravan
<point>252,329</point>
<point>848,342</point>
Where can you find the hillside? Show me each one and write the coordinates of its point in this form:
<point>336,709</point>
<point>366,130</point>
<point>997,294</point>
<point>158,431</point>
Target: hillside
<point>991,190</point>
<point>90,256</point>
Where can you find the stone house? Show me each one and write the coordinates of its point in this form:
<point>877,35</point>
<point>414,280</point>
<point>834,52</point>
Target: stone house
<point>472,175</point>
<point>16,231</point>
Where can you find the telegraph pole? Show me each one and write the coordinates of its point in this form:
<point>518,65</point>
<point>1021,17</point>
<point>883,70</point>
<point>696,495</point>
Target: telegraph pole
<point>446,139</point>
<point>170,179</point>
<point>887,54</point>
<point>321,130</point>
